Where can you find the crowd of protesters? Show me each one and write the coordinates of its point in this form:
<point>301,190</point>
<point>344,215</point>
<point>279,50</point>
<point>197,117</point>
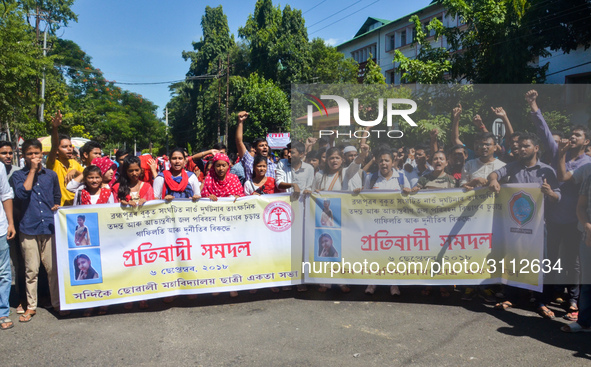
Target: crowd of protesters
<point>40,187</point>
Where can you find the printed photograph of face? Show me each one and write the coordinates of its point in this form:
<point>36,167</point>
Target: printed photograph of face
<point>328,212</point>
<point>327,245</point>
<point>82,230</point>
<point>85,266</point>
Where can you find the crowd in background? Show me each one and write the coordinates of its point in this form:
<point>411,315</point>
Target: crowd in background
<point>31,193</point>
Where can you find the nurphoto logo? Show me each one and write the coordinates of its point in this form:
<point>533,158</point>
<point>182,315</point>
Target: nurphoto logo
<point>344,115</point>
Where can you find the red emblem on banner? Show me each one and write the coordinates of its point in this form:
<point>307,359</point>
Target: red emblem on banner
<point>277,216</point>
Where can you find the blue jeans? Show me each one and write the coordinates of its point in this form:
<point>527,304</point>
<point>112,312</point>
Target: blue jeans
<point>585,295</point>
<point>5,277</point>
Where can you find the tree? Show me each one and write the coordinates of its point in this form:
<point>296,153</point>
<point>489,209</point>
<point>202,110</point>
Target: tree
<point>292,48</point>
<point>21,62</point>
<point>431,63</point>
<point>215,43</point>
<point>261,32</point>
<point>373,73</point>
<point>563,24</point>
<point>267,104</point>
<point>330,66</point>
<point>497,45</point>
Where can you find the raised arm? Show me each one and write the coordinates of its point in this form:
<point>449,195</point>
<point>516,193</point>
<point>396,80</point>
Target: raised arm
<point>477,121</point>
<point>542,129</point>
<point>500,112</point>
<point>455,125</point>
<point>240,147</point>
<point>433,141</point>
<point>561,173</point>
<point>310,143</point>
<point>55,140</point>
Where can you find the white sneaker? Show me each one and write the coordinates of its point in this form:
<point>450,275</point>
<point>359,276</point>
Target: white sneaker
<point>394,290</point>
<point>370,289</point>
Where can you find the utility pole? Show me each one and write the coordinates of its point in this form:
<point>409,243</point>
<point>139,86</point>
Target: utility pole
<point>42,15</point>
<point>219,101</point>
<point>167,145</point>
<point>42,106</point>
<point>227,98</point>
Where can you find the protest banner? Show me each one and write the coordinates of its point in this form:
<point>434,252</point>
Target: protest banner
<point>443,237</point>
<point>278,140</point>
<point>108,254</point>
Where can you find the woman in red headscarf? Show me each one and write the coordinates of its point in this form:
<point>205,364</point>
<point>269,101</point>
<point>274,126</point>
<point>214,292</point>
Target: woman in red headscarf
<point>108,168</point>
<point>219,182</point>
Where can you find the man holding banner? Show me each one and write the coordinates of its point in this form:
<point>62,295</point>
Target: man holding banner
<point>528,169</point>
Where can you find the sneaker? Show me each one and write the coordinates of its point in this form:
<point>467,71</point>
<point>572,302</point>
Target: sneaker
<point>370,289</point>
<point>488,295</point>
<point>394,290</point>
<point>469,294</point>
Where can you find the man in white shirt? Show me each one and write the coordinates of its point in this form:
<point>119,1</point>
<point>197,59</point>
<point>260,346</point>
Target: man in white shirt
<point>7,232</point>
<point>293,174</point>
<point>476,171</point>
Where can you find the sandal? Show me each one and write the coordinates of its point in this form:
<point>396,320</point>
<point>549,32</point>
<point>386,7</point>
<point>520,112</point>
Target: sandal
<point>545,312</point>
<point>345,288</point>
<point>394,290</point>
<point>6,321</point>
<point>27,316</point>
<point>575,328</point>
<point>370,289</point>
<point>503,305</point>
<point>571,316</point>
<point>20,310</point>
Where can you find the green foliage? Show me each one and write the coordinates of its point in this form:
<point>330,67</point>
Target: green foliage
<point>273,54</point>
<point>261,31</point>
<point>431,63</point>
<point>21,64</point>
<point>373,73</point>
<point>215,43</point>
<point>92,106</point>
<point>499,41</point>
<point>330,66</point>
<point>267,103</point>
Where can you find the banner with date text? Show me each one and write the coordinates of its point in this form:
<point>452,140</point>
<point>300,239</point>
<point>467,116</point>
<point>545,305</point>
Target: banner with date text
<point>443,237</point>
<point>107,254</point>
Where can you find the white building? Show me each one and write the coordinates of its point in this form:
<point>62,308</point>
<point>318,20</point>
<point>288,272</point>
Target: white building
<point>380,37</point>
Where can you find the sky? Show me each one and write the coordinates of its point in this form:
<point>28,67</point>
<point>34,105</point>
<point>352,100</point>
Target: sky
<point>136,41</point>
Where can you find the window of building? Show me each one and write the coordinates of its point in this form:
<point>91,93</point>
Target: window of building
<point>392,42</point>
<point>403,38</point>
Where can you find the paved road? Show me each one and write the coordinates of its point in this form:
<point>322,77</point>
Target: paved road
<point>298,329</point>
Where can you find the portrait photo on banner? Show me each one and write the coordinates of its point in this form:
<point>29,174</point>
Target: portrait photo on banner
<point>327,245</point>
<point>328,212</point>
<point>82,230</point>
<point>85,266</point>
